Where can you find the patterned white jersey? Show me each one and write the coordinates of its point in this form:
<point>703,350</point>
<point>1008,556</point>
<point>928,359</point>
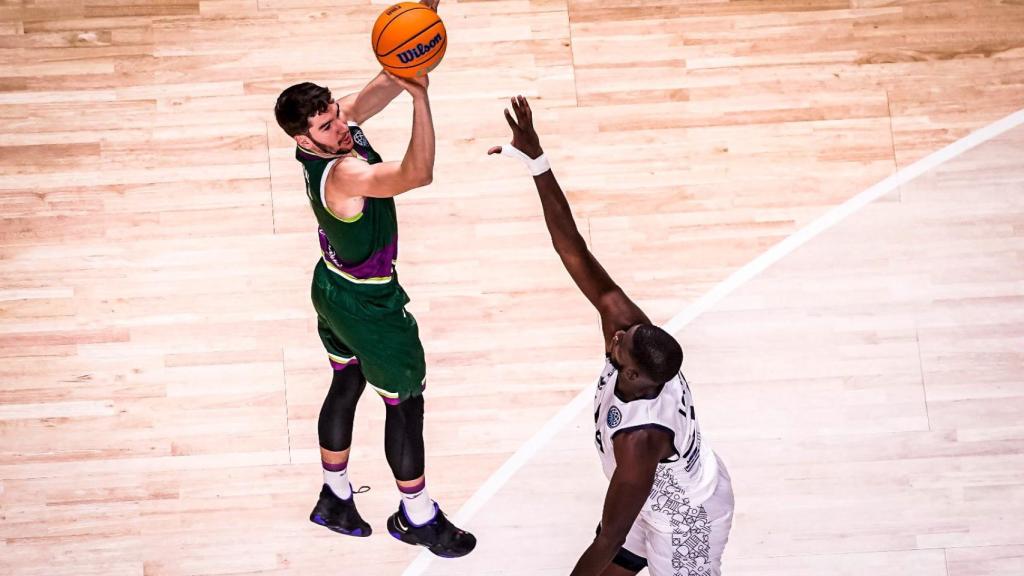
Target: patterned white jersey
<point>685,480</point>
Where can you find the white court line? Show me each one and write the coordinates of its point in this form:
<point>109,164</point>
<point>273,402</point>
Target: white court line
<point>502,475</point>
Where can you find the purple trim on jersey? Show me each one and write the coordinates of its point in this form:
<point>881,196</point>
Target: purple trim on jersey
<point>380,264</point>
<point>334,467</point>
<point>301,154</point>
<point>338,366</point>
<point>413,489</point>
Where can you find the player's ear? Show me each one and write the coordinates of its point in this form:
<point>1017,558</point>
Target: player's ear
<point>304,141</point>
<point>632,374</point>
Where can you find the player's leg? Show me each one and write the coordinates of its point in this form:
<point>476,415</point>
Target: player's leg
<point>391,357</point>
<point>335,509</point>
<point>334,427</point>
<point>419,520</point>
<point>395,367</point>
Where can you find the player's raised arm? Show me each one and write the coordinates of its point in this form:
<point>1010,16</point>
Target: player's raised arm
<point>387,179</point>
<point>378,92</point>
<point>374,97</point>
<point>617,310</point>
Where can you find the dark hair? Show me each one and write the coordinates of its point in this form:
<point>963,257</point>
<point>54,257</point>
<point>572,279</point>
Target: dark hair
<point>297,104</point>
<point>657,354</point>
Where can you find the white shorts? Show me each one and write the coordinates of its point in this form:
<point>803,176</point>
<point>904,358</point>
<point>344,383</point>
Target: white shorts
<point>695,543</point>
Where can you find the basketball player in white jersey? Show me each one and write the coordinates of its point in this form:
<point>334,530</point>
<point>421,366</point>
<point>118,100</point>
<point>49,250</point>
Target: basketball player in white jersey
<point>669,502</point>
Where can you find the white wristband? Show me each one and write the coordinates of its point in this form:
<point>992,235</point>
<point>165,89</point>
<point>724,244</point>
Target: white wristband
<point>536,166</point>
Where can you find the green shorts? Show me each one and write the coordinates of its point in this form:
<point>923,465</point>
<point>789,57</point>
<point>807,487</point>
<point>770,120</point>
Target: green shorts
<point>370,327</point>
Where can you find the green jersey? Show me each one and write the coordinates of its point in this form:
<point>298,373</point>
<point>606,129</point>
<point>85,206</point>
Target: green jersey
<point>362,249</point>
<point>361,315</point>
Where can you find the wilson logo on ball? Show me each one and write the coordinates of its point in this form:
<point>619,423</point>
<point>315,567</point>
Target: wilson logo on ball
<point>419,50</point>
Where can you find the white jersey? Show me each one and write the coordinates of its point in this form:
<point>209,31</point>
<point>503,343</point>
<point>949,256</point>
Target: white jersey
<point>685,480</point>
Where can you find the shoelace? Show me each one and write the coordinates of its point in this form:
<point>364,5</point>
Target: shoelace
<point>361,490</point>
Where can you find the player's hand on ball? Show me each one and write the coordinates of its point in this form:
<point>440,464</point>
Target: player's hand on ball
<point>414,86</point>
<point>432,4</point>
<point>524,137</point>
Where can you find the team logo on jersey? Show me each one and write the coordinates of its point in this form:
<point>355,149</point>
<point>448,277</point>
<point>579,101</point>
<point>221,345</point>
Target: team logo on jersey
<point>358,137</point>
<point>614,417</point>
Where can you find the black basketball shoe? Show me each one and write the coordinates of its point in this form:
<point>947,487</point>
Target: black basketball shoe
<point>339,515</point>
<point>439,535</point>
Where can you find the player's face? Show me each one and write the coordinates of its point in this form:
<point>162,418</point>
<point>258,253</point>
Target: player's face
<point>621,349</point>
<point>329,131</point>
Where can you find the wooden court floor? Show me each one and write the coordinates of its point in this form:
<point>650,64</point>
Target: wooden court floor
<point>160,374</point>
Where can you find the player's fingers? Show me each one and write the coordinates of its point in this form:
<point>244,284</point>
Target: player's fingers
<point>511,122</point>
<point>523,116</point>
<point>494,150</point>
<point>405,83</point>
<point>526,108</point>
<point>524,119</point>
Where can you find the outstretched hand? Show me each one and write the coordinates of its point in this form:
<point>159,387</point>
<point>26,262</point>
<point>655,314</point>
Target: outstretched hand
<point>524,137</point>
<point>432,4</point>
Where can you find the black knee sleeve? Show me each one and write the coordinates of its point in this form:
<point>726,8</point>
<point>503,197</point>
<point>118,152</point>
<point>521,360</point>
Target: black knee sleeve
<point>403,438</point>
<point>338,412</point>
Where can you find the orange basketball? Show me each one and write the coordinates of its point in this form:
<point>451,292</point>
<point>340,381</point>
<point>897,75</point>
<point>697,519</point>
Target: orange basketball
<point>409,39</point>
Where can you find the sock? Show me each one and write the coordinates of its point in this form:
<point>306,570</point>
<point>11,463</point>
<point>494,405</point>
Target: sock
<point>336,476</point>
<point>419,508</point>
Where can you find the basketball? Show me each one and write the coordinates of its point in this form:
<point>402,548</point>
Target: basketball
<point>409,39</point>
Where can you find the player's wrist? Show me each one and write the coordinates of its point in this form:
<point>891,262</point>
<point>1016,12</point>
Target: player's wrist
<point>536,166</point>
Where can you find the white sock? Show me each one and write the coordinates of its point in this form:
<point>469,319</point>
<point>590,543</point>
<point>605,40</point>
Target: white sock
<point>418,506</point>
<point>338,481</point>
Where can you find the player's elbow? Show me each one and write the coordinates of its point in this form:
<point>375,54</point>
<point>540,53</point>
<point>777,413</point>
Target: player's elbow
<point>419,181</point>
<point>418,177</point>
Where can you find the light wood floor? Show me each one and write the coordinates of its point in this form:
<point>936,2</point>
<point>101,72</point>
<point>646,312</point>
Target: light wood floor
<point>160,374</point>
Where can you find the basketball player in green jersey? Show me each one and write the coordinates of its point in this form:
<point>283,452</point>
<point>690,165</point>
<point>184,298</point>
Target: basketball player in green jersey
<point>369,335</point>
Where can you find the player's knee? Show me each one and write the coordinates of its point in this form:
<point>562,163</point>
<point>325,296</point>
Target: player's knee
<point>407,412</point>
<point>348,381</point>
<point>403,438</point>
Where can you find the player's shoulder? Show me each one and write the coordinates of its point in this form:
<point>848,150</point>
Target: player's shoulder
<point>650,440</point>
<point>346,168</point>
